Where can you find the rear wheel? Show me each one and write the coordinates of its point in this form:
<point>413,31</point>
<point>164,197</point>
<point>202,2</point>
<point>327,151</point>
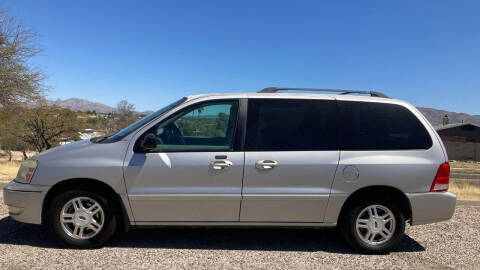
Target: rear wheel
<point>81,219</point>
<point>373,226</point>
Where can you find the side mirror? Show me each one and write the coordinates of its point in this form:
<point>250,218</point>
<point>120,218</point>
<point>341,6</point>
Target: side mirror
<point>149,142</point>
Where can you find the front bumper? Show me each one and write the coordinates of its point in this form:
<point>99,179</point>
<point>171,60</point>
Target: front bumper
<point>431,207</point>
<point>24,201</point>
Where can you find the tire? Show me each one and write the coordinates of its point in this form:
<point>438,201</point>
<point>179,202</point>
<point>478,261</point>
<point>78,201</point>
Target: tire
<point>375,243</point>
<point>99,222</point>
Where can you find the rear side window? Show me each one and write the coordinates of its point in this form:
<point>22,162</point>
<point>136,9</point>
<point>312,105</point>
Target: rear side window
<point>380,126</point>
<point>291,125</point>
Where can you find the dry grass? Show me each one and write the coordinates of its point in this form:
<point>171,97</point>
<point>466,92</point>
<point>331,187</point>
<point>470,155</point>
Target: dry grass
<point>8,170</point>
<point>465,164</point>
<point>16,155</point>
<point>464,191</point>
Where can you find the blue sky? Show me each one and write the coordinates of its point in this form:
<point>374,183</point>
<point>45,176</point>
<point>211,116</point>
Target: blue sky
<point>153,52</point>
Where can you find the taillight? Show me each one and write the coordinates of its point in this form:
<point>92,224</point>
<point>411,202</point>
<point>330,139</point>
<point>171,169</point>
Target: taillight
<point>440,183</point>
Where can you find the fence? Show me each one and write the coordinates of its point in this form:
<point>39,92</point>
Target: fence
<point>463,150</point>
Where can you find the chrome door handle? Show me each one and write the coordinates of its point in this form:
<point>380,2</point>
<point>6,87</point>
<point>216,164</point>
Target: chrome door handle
<point>219,165</point>
<point>266,164</point>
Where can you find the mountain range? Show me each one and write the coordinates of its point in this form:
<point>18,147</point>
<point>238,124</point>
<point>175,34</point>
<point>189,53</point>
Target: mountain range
<point>435,116</point>
<point>81,105</point>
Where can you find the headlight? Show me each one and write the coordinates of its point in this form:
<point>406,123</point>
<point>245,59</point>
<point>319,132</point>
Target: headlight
<point>26,171</point>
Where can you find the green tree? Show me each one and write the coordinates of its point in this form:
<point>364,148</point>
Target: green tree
<point>10,140</point>
<point>9,143</point>
<point>45,126</point>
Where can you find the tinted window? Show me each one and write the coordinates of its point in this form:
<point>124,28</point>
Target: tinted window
<point>291,125</point>
<point>380,126</point>
<point>203,127</point>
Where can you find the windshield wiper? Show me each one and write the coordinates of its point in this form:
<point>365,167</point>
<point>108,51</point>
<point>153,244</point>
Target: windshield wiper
<point>99,139</point>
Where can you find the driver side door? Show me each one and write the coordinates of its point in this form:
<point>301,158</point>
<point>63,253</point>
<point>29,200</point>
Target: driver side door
<point>194,172</point>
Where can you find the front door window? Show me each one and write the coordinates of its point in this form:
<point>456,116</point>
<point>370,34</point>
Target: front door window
<point>204,127</point>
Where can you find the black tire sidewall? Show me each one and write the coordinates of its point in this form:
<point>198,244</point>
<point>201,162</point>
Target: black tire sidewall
<point>348,227</point>
<point>107,231</point>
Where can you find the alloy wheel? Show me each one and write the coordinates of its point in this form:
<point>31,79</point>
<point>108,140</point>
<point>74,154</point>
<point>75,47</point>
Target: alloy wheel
<point>82,218</point>
<point>375,224</point>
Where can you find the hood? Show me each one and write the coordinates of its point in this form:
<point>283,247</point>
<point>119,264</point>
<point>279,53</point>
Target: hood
<point>81,160</point>
<point>63,149</point>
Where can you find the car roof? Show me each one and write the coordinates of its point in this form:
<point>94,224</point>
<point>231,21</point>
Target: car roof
<point>296,95</point>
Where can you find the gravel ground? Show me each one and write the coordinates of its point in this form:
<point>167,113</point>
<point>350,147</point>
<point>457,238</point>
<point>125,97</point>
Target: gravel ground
<point>453,244</point>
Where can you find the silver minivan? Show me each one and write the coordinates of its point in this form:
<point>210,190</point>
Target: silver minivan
<point>367,164</point>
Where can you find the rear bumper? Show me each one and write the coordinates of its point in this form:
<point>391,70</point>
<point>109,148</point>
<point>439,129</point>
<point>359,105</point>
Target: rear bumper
<point>24,201</point>
<point>431,207</point>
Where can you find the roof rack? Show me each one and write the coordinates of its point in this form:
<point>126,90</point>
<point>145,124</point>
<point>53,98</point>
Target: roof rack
<point>341,91</point>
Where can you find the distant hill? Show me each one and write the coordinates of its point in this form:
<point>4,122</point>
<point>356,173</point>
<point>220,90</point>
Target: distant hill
<point>146,112</point>
<point>435,116</point>
<point>82,105</point>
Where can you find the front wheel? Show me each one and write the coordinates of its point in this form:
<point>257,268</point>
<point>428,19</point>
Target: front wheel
<point>373,226</point>
<point>81,219</point>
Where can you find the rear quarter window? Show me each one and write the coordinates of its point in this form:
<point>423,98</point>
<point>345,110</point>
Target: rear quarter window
<point>380,126</point>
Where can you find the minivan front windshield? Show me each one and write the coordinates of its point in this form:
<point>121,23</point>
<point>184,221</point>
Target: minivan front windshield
<point>129,129</point>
